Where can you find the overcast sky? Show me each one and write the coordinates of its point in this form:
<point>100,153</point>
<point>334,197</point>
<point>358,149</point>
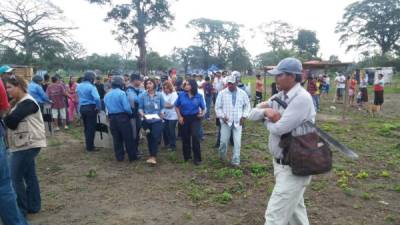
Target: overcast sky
<point>317,15</point>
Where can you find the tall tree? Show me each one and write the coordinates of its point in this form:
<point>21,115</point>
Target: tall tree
<point>134,21</point>
<point>216,38</point>
<point>306,44</point>
<point>239,59</point>
<point>371,23</point>
<point>278,34</point>
<point>33,26</point>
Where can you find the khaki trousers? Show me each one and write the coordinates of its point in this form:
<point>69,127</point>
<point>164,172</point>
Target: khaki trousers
<point>286,204</point>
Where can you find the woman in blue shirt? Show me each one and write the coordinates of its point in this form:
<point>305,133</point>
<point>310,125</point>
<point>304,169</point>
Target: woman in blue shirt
<point>151,104</point>
<point>119,112</point>
<point>190,109</point>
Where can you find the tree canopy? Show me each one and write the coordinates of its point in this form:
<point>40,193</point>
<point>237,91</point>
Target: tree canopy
<point>217,39</point>
<point>34,29</point>
<point>134,21</point>
<point>371,23</point>
<point>306,44</point>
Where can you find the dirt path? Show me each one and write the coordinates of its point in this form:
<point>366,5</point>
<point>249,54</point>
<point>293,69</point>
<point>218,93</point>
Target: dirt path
<point>92,188</point>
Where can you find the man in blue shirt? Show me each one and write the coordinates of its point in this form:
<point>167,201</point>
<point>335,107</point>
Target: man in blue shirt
<point>134,90</point>
<point>89,105</point>
<point>119,113</point>
<point>36,91</point>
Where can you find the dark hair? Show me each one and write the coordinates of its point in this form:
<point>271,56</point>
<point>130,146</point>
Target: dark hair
<point>152,81</point>
<point>193,84</point>
<point>298,78</point>
<point>18,81</point>
<point>207,78</point>
<point>54,79</point>
<point>46,77</point>
<point>258,75</point>
<point>380,75</point>
<point>89,76</point>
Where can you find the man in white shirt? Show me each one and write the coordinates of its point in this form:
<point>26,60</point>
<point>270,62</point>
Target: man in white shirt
<point>286,204</point>
<point>232,108</point>
<point>340,81</point>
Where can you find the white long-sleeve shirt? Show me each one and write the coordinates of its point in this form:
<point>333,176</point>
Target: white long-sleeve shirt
<point>300,109</point>
<point>225,108</point>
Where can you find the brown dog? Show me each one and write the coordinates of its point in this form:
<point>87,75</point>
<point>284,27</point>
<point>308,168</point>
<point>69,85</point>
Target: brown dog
<point>373,109</point>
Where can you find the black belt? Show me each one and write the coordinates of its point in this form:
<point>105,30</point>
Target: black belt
<point>118,114</point>
<point>281,162</point>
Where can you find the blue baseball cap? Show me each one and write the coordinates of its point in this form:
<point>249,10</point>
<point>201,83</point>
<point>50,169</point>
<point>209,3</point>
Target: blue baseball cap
<point>5,69</point>
<point>287,65</point>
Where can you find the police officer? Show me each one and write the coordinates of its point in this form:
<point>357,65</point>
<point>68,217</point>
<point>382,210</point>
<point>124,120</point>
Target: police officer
<point>133,90</point>
<point>89,105</point>
<point>119,113</point>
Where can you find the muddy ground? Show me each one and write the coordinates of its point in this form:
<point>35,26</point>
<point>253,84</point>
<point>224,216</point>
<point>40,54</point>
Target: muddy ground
<point>92,188</point>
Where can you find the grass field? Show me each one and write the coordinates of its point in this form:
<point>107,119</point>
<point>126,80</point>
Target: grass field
<point>80,188</point>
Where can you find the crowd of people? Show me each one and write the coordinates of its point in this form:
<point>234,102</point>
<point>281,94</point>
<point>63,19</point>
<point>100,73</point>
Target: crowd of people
<point>163,109</point>
<point>357,89</point>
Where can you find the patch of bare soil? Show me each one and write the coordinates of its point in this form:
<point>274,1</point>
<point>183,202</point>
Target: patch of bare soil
<point>92,188</point>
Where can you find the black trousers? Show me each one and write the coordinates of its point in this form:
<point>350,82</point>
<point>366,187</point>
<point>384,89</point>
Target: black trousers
<point>138,124</point>
<point>191,138</point>
<point>89,116</point>
<point>258,98</point>
<point>121,131</point>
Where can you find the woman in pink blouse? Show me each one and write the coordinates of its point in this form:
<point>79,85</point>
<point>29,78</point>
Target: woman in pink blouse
<point>72,99</point>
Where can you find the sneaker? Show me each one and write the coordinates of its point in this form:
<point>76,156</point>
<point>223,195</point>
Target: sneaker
<point>151,161</point>
<point>56,129</point>
<point>234,165</point>
<point>66,127</point>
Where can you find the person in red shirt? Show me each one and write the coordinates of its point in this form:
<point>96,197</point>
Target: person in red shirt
<point>378,92</point>
<point>352,84</point>
<point>57,93</point>
<point>4,105</point>
<point>9,210</point>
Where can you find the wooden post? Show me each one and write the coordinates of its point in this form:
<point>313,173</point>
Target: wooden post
<point>265,87</point>
<point>345,97</point>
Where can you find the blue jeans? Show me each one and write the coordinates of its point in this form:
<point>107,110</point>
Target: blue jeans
<point>316,102</point>
<point>208,99</point>
<point>154,131</point>
<point>26,183</point>
<point>9,211</point>
<point>226,132</point>
<point>169,133</point>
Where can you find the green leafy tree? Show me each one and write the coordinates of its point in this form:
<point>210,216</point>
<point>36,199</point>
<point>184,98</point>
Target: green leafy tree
<point>216,38</point>
<point>240,59</point>
<point>134,21</point>
<point>371,23</point>
<point>272,58</point>
<point>32,27</point>
<point>278,34</point>
<point>306,44</point>
<point>157,62</point>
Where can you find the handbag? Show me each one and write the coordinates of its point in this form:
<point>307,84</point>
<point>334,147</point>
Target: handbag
<point>306,154</point>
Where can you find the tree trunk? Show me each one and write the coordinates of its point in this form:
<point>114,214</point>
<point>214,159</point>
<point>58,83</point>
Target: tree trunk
<point>142,65</point>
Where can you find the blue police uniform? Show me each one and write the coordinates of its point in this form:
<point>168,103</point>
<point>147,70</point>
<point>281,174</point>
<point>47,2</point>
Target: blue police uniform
<point>133,97</point>
<point>37,92</point>
<point>89,104</point>
<point>119,113</point>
